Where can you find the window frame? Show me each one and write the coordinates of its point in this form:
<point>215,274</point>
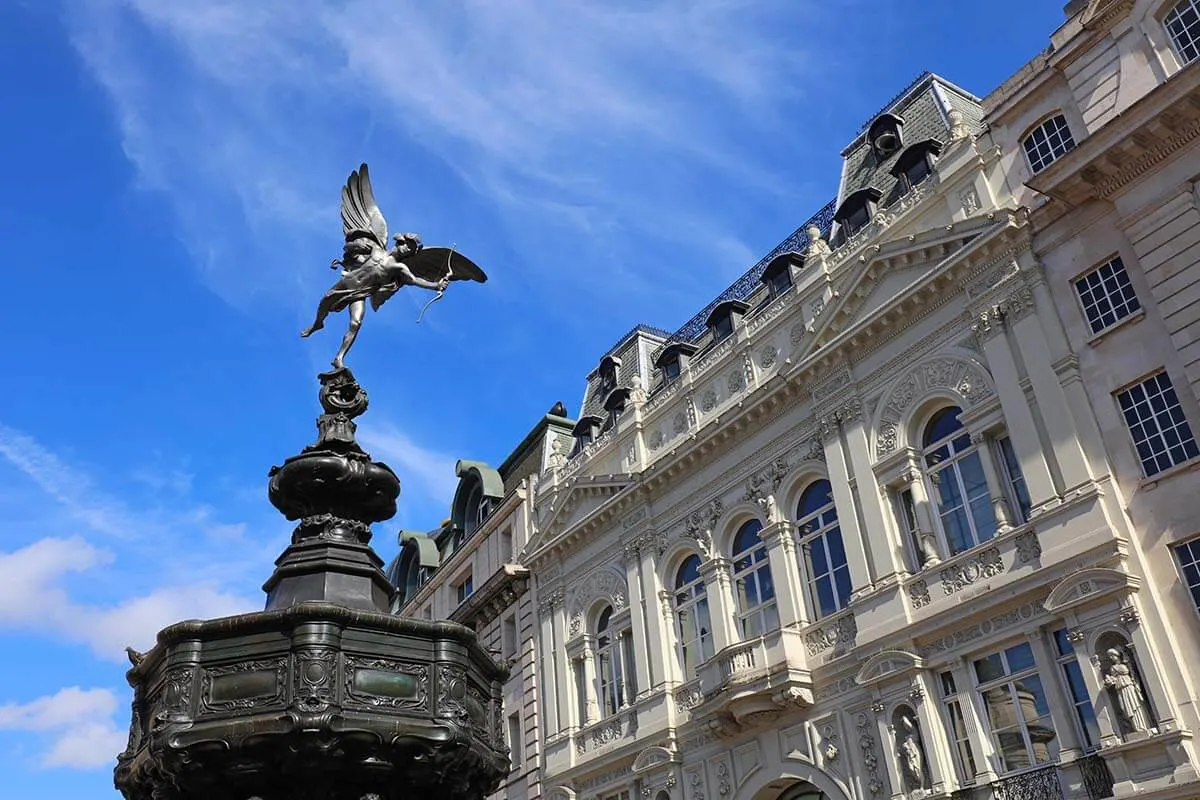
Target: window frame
<point>827,527</point>
<point>1016,487</point>
<point>616,677</point>
<point>1009,680</point>
<point>464,587</point>
<point>756,565</point>
<point>1193,590</point>
<point>1134,310</point>
<point>1069,671</point>
<point>954,700</point>
<point>1176,47</point>
<point>696,605</point>
<point>516,749</point>
<point>933,474</point>
<point>1069,143</point>
<point>1186,424</point>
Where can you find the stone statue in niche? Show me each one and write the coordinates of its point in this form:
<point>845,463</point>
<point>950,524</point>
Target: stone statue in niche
<point>1121,681</point>
<point>909,752</point>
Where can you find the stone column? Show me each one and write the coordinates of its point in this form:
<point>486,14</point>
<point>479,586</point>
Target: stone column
<point>722,608</point>
<point>670,637</point>
<point>1105,714</point>
<point>931,550</point>
<point>658,638</point>
<point>1051,399</point>
<point>843,499</point>
<point>785,573</point>
<point>1021,427</point>
<point>548,669</point>
<point>1060,705</point>
<point>569,715</point>
<point>978,735</point>
<point>587,662</point>
<point>995,487</point>
<point>884,550</point>
<point>637,617</point>
<point>887,747</point>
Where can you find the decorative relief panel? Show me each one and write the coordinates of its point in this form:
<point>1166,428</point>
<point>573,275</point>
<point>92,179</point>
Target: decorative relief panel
<point>722,776</point>
<point>965,378</point>
<point>694,785</point>
<point>1028,547</point>
<point>865,728</point>
<point>918,593</point>
<point>603,584</point>
<point>836,634</point>
<point>385,682</point>
<point>980,567</point>
<point>243,686</point>
<point>1018,616</point>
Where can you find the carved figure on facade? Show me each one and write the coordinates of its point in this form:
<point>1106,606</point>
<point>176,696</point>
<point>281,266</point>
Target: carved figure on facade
<point>910,752</point>
<point>1126,690</point>
<point>818,248</point>
<point>959,129</point>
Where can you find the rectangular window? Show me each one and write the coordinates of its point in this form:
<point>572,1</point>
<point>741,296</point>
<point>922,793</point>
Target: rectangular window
<point>508,637</point>
<point>1018,713</point>
<point>1188,554</point>
<point>463,589</point>
<point>1161,435</point>
<point>1015,480</point>
<point>515,741</point>
<point>1106,295</point>
<point>506,546</point>
<point>670,370</point>
<point>780,282</point>
<point>1085,714</point>
<point>722,328</point>
<point>956,729</point>
<point>1183,24</point>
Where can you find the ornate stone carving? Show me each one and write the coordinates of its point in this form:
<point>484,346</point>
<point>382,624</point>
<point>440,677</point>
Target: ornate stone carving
<point>837,634</point>
<point>656,440</point>
<point>980,567</point>
<point>1028,547</point>
<point>951,642</point>
<point>959,129</point>
<point>708,401</point>
<point>736,382</point>
<point>870,758</point>
<point>604,583</point>
<point>797,333</point>
<point>918,593</point>
<point>939,373</point>
<point>1017,305</point>
<point>767,356</point>
<point>679,423</point>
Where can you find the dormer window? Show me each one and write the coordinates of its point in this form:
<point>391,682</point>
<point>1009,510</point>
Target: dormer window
<point>608,374</point>
<point>884,136</point>
<point>778,274</point>
<point>615,404</point>
<point>723,318</point>
<point>585,431</point>
<point>857,210</point>
<point>673,359</point>
<point>915,164</point>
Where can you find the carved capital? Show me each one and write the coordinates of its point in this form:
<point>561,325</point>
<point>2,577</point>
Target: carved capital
<point>988,324</point>
<point>1018,305</point>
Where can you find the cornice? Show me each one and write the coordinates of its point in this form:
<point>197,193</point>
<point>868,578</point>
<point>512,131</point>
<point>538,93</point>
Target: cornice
<point>1140,137</point>
<point>498,593</point>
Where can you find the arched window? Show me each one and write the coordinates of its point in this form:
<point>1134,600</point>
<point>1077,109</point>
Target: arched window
<point>825,568</point>
<point>614,664</point>
<point>757,612</point>
<point>691,616</point>
<point>959,484</point>
<point>1183,25</point>
<point>1048,142</point>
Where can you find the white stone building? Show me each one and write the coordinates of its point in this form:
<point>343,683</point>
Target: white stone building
<point>907,512</point>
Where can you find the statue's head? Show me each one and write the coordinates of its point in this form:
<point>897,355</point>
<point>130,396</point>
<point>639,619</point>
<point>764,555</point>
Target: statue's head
<point>407,243</point>
<point>813,233</point>
<point>1114,655</point>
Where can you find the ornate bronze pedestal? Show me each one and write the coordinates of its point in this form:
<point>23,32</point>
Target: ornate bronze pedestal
<point>324,695</point>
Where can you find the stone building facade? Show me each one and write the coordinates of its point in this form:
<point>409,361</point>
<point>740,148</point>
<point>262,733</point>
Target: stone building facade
<point>909,510</point>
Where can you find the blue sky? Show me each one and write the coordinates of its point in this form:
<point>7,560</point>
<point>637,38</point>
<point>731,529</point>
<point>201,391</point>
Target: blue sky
<point>170,177</point>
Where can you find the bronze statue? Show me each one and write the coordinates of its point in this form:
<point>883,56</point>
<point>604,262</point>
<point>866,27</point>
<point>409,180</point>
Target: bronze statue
<point>371,271</point>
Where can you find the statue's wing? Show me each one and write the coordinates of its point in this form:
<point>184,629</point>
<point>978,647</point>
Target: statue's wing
<point>432,264</point>
<point>360,213</point>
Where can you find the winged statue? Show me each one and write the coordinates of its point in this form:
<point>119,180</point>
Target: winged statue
<point>370,271</point>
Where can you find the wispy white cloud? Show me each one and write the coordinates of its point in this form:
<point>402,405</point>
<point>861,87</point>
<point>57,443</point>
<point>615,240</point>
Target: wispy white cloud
<point>610,119</point>
<point>78,724</point>
<point>432,471</point>
<point>36,583</point>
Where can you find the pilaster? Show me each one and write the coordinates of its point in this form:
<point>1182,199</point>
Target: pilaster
<point>658,635</point>
<point>637,617</point>
<point>1021,427</point>
<point>789,588</point>
<point>718,585</point>
<point>884,551</point>
<point>839,481</point>
<point>995,488</point>
<point>1019,313</point>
